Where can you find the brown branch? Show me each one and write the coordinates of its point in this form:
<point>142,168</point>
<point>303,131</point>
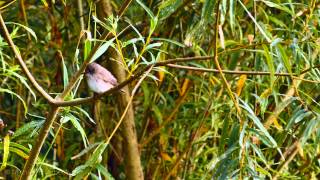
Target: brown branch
<point>226,71</point>
<point>34,153</point>
<point>24,67</point>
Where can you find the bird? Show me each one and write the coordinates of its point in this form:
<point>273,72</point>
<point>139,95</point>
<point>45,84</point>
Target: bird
<point>99,79</point>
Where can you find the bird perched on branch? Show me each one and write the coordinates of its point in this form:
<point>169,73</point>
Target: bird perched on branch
<point>99,79</point>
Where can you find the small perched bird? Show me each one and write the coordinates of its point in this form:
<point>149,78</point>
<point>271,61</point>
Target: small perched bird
<point>99,79</point>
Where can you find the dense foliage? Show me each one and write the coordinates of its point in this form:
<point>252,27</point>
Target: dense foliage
<point>232,91</point>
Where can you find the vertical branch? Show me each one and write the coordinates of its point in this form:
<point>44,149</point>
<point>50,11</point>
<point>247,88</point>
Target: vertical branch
<point>33,156</point>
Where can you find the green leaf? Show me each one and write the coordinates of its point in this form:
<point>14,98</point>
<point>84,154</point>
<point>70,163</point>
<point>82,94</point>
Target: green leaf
<point>207,10</point>
<point>270,64</point>
<point>102,49</point>
<point>6,143</point>
<point>54,167</point>
<point>277,6</point>
<point>169,40</point>
<point>26,128</point>
<point>26,28</point>
<point>284,58</point>
<point>168,7</point>
<point>65,74</point>
<point>256,23</point>
<point>77,125</point>
<point>154,19</point>
<point>257,122</point>
<point>83,170</point>
<point>105,172</point>
<point>312,124</point>
<point>215,161</point>
<point>146,9</point>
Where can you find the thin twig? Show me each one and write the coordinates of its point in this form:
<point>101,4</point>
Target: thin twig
<point>225,71</point>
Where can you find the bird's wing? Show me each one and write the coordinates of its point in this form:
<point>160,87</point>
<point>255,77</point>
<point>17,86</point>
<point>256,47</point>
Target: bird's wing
<point>108,77</point>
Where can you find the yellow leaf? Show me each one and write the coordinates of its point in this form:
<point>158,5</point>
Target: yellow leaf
<point>6,143</point>
<point>300,150</point>
<point>266,93</point>
<point>240,84</point>
<point>276,123</point>
<point>165,156</point>
<point>184,87</point>
<point>161,75</point>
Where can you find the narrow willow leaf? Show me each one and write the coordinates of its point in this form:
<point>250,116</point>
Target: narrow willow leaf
<point>207,10</point>
<point>168,7</point>
<point>54,167</point>
<point>278,22</point>
<point>270,65</point>
<point>16,148</point>
<point>260,136</point>
<point>313,124</point>
<point>26,28</point>
<point>77,125</point>
<point>278,6</point>
<point>257,122</point>
<point>81,171</point>
<point>105,172</point>
<point>146,9</point>
<point>153,45</point>
<point>85,151</point>
<point>19,152</point>
<point>154,19</point>
<point>45,3</point>
<point>255,22</point>
<point>221,157</point>
<point>96,156</point>
<point>23,81</point>
<point>297,116</point>
<point>284,58</point>
<point>86,114</point>
<point>231,15</point>
<point>169,40</point>
<point>102,49</point>
<point>6,143</point>
<point>87,48</point>
<point>241,83</point>
<point>146,95</point>
<point>259,153</point>
<point>132,41</point>
<point>157,113</point>
<point>19,146</point>
<point>65,74</point>
<point>27,128</point>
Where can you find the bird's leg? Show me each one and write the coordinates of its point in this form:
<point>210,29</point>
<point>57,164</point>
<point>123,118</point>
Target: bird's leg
<point>95,96</point>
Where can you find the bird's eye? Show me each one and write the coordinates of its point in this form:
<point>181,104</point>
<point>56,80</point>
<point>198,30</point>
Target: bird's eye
<point>90,69</point>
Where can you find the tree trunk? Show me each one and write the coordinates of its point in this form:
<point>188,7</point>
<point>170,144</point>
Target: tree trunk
<point>130,144</point>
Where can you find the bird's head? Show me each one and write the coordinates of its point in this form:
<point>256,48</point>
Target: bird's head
<point>90,69</point>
